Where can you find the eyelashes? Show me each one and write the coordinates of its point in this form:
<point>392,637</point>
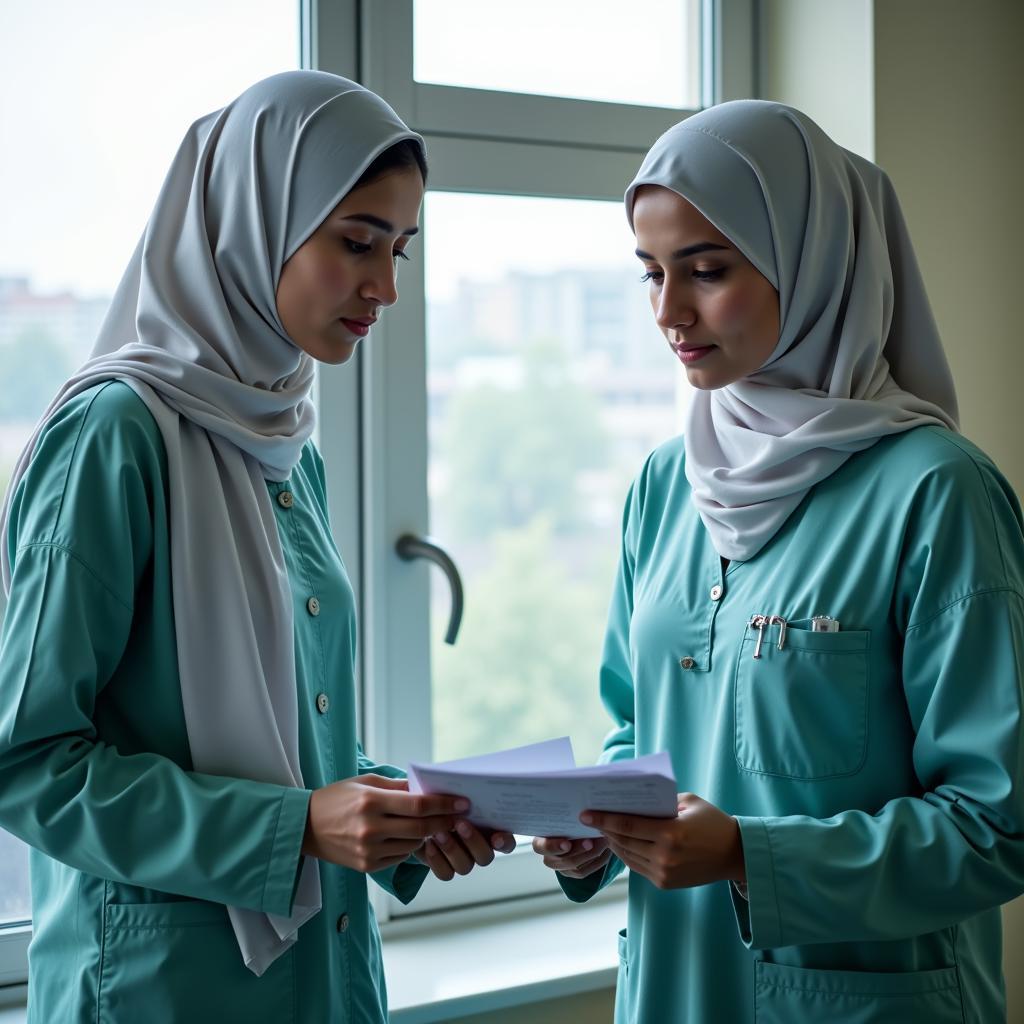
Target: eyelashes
<point>699,275</point>
<point>360,248</point>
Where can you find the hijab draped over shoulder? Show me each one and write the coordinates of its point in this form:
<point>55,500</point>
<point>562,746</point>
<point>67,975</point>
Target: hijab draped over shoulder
<point>193,328</point>
<point>858,357</point>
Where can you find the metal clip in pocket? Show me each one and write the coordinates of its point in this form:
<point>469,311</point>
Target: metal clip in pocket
<point>778,620</point>
<point>758,622</point>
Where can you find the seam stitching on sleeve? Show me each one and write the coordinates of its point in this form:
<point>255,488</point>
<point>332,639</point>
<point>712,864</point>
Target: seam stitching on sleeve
<point>84,415</point>
<point>775,885</point>
<point>952,440</point>
<point>85,565</point>
<point>273,848</point>
<point>962,600</point>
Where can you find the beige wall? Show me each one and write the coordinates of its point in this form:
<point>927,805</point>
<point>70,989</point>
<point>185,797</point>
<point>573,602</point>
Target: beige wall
<point>942,91</point>
<point>949,104</point>
<point>818,55</point>
<point>949,107</point>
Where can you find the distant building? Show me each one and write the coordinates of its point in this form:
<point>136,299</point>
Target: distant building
<point>70,321</point>
<point>600,319</point>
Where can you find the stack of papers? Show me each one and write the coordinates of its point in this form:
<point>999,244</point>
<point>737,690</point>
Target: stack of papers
<point>537,790</point>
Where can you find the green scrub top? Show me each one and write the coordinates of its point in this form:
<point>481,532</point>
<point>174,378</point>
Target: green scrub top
<point>135,855</point>
<point>875,772</point>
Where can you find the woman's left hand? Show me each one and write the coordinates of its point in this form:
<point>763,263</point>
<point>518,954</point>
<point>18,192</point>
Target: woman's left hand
<point>700,845</point>
<point>448,854</point>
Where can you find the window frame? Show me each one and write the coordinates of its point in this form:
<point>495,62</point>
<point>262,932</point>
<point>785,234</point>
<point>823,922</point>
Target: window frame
<point>362,405</point>
<point>496,143</point>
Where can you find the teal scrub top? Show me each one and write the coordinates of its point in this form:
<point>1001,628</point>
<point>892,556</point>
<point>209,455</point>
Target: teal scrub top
<point>875,772</point>
<point>135,854</point>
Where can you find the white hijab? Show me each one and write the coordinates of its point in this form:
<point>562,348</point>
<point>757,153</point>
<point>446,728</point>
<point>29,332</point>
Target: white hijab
<point>193,328</point>
<point>859,356</point>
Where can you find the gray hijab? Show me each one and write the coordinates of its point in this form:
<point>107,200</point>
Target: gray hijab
<point>859,356</point>
<point>193,329</point>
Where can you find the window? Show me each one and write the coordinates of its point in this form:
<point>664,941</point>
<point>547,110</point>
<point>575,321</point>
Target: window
<point>105,92</point>
<point>514,391</point>
<point>547,385</point>
<point>522,290</point>
<point>582,49</point>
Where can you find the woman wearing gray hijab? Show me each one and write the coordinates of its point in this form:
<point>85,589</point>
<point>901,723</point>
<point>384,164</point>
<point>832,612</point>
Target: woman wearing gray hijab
<point>819,613</point>
<point>177,716</point>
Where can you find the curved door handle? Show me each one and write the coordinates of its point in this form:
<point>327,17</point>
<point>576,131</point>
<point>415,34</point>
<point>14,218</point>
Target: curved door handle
<point>409,547</point>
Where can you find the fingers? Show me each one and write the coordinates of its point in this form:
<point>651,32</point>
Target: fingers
<point>456,854</point>
<point>419,805</point>
<point>503,842</point>
<point>622,824</point>
<point>581,861</point>
<point>436,861</point>
<point>632,860</point>
<point>569,857</point>
<point>399,827</point>
<point>382,782</point>
<point>590,866</point>
<point>477,844</point>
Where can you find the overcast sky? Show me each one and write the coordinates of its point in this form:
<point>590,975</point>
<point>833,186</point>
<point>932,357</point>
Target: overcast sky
<point>96,96</point>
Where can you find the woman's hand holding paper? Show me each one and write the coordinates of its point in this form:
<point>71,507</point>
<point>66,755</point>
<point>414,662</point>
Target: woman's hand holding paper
<point>574,858</point>
<point>448,854</point>
<point>370,822</point>
<point>700,845</point>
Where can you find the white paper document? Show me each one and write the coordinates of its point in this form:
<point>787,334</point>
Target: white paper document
<point>537,790</point>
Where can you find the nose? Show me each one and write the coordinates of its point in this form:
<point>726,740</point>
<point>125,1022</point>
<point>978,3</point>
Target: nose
<point>673,310</point>
<point>381,286</point>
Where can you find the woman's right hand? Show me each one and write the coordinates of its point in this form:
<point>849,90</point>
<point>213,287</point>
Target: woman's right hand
<point>573,858</point>
<point>370,822</point>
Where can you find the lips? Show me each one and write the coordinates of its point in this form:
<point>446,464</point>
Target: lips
<point>691,353</point>
<point>359,326</point>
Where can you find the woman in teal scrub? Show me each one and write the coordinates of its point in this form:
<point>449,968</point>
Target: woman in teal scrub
<point>819,613</point>
<point>177,706</point>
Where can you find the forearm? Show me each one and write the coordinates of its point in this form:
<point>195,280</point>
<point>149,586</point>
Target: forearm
<point>919,865</point>
<point>145,821</point>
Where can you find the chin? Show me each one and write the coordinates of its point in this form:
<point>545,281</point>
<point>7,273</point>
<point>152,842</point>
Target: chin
<point>707,382</point>
<point>331,351</point>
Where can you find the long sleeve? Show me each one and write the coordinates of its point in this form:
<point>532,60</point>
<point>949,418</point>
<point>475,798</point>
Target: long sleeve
<point>928,860</point>
<point>81,542</point>
<point>403,881</point>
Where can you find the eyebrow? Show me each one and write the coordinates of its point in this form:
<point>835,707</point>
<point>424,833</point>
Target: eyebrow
<point>690,250</point>
<point>378,222</point>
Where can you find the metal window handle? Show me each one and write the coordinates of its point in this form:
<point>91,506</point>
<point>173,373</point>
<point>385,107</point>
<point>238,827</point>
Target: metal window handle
<point>409,547</point>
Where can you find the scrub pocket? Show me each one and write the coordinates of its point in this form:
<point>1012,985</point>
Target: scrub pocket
<point>797,995</point>
<point>801,712</point>
<point>164,963</point>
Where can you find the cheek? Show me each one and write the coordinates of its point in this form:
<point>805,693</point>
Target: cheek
<point>751,313</point>
<point>331,277</point>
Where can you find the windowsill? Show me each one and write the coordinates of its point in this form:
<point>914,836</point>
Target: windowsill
<point>441,967</point>
<point>472,961</point>
<point>12,1004</point>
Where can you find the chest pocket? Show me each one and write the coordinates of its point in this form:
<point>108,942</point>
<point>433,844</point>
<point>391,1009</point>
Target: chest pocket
<point>801,713</point>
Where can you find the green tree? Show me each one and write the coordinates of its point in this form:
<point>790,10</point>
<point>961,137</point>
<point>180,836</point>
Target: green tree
<point>516,453</point>
<point>525,667</point>
<point>34,367</point>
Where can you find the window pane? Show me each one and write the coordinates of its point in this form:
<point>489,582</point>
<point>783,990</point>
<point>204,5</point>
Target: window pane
<point>105,90</point>
<point>548,384</point>
<point>586,49</point>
